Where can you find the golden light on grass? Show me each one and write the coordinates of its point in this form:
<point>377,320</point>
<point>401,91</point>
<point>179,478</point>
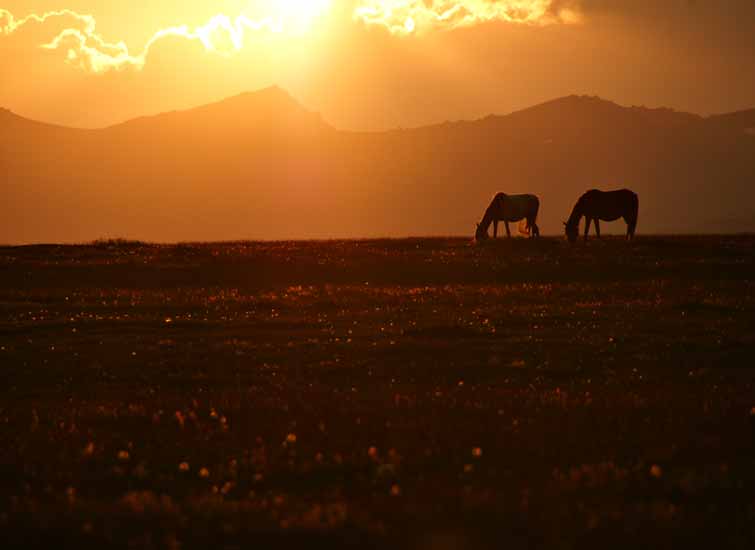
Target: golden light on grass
<point>89,449</point>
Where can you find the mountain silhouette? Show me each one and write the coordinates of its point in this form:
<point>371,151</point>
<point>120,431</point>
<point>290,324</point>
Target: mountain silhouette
<point>260,165</point>
<point>272,111</point>
<point>741,121</point>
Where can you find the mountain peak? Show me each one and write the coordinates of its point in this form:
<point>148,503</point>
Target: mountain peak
<point>268,108</point>
<point>271,95</point>
<point>7,114</point>
<point>583,111</point>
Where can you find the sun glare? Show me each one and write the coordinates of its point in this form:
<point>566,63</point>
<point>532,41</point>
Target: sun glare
<point>297,15</point>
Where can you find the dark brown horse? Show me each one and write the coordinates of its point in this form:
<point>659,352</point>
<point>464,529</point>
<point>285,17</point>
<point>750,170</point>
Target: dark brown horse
<point>607,206</point>
<point>510,208</point>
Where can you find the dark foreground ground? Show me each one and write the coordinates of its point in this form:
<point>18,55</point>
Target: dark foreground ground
<point>425,394</point>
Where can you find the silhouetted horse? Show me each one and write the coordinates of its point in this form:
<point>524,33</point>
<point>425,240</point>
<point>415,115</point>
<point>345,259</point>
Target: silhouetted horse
<point>510,208</point>
<point>606,206</point>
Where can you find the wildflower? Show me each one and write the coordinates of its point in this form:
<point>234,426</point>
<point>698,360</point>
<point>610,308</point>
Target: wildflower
<point>89,449</point>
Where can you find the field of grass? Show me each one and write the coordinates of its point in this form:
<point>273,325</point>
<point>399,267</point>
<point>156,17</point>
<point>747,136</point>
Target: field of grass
<point>419,393</point>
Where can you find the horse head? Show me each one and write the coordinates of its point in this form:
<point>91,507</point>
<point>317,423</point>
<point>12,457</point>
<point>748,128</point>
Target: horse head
<point>480,234</point>
<point>571,230</point>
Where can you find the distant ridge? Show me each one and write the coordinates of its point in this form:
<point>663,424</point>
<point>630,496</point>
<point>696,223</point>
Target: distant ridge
<point>10,119</point>
<point>276,104</point>
<point>740,120</point>
<point>575,112</point>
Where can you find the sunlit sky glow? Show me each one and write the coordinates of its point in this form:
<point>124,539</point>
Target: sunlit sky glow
<point>77,37</point>
<point>370,63</point>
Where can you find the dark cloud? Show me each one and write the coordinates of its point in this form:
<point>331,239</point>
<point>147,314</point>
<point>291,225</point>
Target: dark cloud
<point>730,20</point>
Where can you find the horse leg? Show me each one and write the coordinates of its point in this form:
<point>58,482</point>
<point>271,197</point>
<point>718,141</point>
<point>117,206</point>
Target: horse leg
<point>631,225</point>
<point>587,227</point>
<point>633,215</point>
<point>597,227</point>
<point>495,229</point>
<point>508,231</point>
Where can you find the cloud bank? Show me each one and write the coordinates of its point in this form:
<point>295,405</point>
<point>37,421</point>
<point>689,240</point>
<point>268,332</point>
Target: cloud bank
<point>77,37</point>
<point>410,16</point>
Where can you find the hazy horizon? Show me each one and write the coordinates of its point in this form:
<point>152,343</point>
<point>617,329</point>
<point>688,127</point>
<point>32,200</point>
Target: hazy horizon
<point>390,129</point>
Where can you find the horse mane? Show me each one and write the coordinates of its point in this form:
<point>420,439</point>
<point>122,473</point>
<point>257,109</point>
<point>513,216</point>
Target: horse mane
<point>576,214</point>
<point>489,216</point>
<point>486,221</point>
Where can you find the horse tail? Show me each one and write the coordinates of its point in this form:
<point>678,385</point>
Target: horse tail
<point>531,228</point>
<point>634,215</point>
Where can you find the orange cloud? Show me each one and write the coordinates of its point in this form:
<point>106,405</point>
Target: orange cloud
<point>77,36</point>
<point>409,16</point>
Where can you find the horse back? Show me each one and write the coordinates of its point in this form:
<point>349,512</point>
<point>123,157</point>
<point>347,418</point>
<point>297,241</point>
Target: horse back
<point>517,207</point>
<point>609,205</point>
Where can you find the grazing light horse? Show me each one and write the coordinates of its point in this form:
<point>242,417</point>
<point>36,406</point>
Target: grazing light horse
<point>510,208</point>
<point>606,206</point>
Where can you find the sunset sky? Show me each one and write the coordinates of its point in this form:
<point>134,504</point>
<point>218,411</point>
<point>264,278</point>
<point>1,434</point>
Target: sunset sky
<point>372,64</point>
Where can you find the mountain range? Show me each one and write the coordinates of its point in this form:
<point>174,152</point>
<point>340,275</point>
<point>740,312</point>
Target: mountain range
<point>261,166</point>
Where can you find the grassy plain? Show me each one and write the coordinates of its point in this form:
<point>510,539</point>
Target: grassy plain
<point>418,393</point>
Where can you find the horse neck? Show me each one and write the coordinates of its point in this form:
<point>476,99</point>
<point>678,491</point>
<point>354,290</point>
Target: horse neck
<point>487,219</point>
<point>495,208</point>
<point>576,214</point>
